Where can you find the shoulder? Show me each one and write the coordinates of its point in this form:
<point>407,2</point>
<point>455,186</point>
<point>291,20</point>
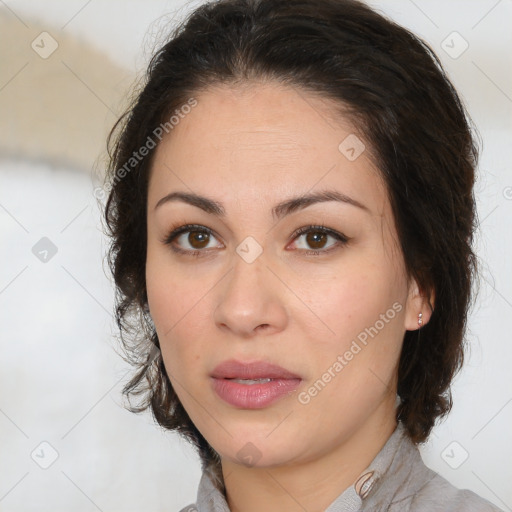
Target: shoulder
<point>437,494</point>
<point>406,484</point>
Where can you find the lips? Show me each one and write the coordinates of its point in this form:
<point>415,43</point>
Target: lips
<point>252,385</point>
<point>233,369</point>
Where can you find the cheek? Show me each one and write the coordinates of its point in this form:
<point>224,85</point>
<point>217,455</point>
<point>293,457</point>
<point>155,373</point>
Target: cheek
<point>363,309</point>
<point>352,370</point>
<point>351,301</point>
<point>174,305</point>
<point>175,323</point>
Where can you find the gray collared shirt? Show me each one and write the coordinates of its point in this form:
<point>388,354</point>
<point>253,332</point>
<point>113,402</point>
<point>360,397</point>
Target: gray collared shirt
<point>397,480</point>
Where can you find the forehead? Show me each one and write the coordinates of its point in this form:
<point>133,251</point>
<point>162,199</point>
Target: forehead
<point>264,140</point>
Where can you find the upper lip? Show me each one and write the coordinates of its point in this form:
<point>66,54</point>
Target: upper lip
<point>233,369</point>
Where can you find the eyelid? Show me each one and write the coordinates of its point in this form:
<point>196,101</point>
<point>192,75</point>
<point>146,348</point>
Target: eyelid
<point>185,228</point>
<point>321,228</point>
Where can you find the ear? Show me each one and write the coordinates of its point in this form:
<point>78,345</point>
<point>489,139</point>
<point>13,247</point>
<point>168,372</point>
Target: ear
<point>418,302</point>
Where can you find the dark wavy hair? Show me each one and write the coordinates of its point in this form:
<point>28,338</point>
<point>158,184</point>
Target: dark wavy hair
<point>393,88</point>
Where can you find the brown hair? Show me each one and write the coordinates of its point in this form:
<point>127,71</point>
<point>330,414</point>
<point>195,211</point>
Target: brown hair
<point>395,91</point>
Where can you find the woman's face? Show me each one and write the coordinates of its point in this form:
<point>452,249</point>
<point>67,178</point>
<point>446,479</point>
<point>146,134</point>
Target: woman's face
<point>330,307</point>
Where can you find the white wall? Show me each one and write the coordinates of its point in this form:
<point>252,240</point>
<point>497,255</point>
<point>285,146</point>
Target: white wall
<point>60,378</point>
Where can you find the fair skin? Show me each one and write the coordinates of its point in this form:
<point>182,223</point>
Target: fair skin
<point>250,148</point>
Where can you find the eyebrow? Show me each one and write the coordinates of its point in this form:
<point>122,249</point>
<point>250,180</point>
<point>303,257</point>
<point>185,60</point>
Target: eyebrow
<point>278,212</point>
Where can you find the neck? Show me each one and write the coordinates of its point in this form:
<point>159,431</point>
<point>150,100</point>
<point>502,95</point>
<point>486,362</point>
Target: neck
<point>308,485</point>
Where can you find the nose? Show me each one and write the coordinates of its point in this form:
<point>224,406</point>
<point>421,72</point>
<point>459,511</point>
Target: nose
<point>252,300</point>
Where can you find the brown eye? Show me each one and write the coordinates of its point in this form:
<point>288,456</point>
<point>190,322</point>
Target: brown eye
<point>191,239</point>
<point>198,239</point>
<point>316,239</point>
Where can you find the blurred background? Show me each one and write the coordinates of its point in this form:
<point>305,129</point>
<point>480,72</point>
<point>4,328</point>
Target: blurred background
<point>66,440</point>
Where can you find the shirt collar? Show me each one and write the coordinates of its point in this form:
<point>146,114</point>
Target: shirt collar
<point>369,481</point>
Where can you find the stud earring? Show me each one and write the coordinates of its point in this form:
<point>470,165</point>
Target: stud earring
<point>420,321</point>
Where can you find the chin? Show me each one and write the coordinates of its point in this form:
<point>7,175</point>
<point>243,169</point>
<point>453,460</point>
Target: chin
<point>256,449</point>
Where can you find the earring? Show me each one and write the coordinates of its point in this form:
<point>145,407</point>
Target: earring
<point>420,321</point>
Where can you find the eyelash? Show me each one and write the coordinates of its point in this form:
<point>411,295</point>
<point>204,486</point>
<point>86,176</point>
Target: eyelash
<point>341,239</point>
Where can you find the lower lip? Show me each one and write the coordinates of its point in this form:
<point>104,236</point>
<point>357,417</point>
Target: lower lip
<point>253,396</point>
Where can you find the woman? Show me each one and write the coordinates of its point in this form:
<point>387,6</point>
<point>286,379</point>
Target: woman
<point>292,216</point>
